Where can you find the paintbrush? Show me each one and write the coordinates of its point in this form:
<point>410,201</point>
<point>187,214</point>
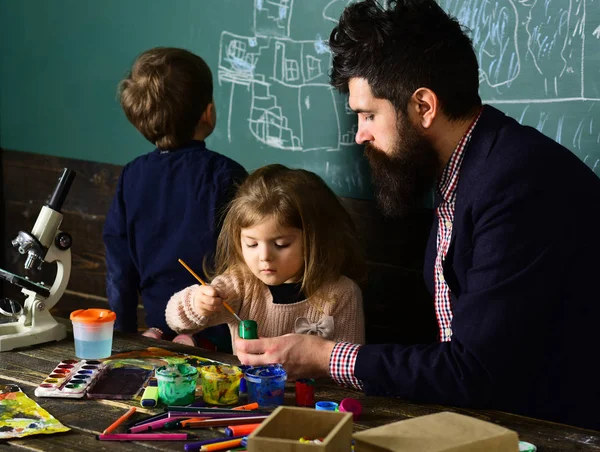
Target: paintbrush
<point>204,284</point>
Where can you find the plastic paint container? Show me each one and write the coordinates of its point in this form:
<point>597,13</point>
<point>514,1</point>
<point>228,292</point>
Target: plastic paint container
<point>305,392</point>
<point>220,384</point>
<point>93,332</point>
<point>266,384</point>
<point>176,384</point>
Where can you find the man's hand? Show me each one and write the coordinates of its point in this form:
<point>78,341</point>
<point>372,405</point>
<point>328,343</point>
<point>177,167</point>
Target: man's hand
<point>302,355</point>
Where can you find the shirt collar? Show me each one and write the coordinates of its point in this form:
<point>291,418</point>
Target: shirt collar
<point>449,180</point>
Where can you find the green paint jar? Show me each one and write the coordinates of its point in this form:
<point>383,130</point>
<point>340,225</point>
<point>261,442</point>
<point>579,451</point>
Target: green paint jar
<point>220,384</point>
<point>248,329</point>
<point>176,384</point>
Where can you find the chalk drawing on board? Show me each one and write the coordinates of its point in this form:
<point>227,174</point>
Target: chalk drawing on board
<point>272,17</point>
<point>287,81</point>
<point>537,47</point>
<point>334,8</point>
<point>518,38</point>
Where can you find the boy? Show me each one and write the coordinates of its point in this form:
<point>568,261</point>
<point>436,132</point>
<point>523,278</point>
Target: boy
<point>168,203</point>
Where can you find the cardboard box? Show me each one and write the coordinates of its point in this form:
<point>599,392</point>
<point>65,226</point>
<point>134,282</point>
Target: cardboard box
<point>440,432</point>
<point>282,431</point>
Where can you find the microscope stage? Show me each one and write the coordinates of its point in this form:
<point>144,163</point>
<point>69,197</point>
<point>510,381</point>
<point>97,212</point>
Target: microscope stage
<point>25,283</point>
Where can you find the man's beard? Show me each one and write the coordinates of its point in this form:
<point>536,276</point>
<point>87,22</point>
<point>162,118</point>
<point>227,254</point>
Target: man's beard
<point>402,178</point>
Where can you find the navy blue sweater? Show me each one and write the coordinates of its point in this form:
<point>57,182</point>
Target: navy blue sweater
<point>167,205</point>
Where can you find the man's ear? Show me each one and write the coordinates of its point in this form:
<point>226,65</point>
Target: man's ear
<point>424,106</point>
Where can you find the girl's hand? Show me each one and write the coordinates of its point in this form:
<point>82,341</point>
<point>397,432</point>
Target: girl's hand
<point>207,300</point>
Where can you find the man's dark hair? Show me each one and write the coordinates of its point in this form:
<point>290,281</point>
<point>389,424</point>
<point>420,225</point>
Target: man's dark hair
<point>409,45</point>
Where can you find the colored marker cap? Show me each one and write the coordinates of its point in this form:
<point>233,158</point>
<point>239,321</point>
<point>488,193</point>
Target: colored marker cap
<point>526,447</point>
<point>248,329</point>
<point>150,396</point>
<point>353,406</point>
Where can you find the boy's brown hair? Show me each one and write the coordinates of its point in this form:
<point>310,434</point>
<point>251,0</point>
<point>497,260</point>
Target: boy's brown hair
<point>165,94</point>
<point>300,199</point>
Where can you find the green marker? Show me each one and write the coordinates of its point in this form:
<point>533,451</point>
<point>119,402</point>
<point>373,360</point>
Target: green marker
<point>248,329</point>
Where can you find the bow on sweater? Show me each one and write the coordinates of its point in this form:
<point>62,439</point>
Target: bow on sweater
<point>323,328</point>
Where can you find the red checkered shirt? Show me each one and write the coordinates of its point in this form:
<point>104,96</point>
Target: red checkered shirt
<point>445,213</point>
<point>344,354</point>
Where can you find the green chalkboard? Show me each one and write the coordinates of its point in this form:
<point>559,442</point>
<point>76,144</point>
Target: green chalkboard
<point>61,61</point>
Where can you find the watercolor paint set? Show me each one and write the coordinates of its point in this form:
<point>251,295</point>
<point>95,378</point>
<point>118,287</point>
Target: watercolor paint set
<point>71,378</point>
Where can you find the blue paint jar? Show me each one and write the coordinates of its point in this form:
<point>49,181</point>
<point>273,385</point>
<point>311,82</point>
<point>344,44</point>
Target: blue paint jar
<point>266,384</point>
<point>243,385</point>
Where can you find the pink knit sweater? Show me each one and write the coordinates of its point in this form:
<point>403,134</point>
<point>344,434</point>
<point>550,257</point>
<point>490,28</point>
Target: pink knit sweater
<point>334,312</point>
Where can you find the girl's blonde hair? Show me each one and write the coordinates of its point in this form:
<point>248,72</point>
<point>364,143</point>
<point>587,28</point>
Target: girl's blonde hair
<point>300,199</point>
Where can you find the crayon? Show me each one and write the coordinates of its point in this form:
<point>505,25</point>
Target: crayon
<point>192,447</point>
<point>147,420</point>
<point>243,429</point>
<point>146,437</point>
<point>119,421</point>
<point>154,425</point>
<point>222,422</point>
<point>177,423</point>
<point>250,406</point>
<point>236,414</point>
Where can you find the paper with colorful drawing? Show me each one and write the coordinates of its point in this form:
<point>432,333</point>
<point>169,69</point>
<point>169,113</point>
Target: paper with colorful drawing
<point>21,416</point>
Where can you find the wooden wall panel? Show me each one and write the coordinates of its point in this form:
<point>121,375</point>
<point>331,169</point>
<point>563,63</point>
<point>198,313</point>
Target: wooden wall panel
<point>397,306</point>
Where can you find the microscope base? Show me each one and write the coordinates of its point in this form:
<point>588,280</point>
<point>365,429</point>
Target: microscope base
<point>17,334</point>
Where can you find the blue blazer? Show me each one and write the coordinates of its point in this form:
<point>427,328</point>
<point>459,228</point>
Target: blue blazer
<point>523,269</point>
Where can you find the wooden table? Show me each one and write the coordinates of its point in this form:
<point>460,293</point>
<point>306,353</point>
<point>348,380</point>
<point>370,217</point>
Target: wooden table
<point>87,418</point>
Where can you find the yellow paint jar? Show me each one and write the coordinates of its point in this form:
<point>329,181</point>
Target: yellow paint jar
<point>220,384</point>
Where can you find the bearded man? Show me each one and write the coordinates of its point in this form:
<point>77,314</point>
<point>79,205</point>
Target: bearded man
<point>513,255</point>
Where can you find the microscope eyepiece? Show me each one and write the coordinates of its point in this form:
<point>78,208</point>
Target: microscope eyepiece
<point>62,189</point>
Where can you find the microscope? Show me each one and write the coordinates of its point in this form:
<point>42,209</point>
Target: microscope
<point>32,323</point>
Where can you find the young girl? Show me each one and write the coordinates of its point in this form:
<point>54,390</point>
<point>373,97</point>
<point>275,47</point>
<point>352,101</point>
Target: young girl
<point>287,257</point>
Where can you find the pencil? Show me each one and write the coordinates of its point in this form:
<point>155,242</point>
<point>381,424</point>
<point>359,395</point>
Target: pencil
<point>193,447</point>
<point>119,421</point>
<point>221,446</point>
<point>225,305</point>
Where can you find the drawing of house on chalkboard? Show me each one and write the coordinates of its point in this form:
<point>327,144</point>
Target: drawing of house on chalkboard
<point>537,63</point>
<point>287,81</point>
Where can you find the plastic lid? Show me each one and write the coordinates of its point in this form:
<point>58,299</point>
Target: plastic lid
<point>93,316</point>
<point>353,406</point>
<point>526,447</point>
<point>326,406</point>
<point>248,329</point>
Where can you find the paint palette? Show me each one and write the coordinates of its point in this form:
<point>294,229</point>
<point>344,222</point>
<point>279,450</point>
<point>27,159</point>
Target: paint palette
<point>71,378</point>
